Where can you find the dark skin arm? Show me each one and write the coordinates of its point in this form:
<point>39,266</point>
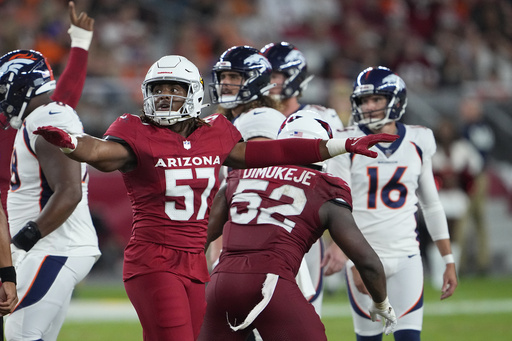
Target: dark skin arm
<point>345,233</point>
<point>8,288</point>
<point>104,155</point>
<point>218,216</point>
<point>65,179</point>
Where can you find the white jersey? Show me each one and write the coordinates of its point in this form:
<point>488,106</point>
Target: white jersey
<point>259,122</point>
<point>329,115</point>
<point>384,190</point>
<point>29,190</point>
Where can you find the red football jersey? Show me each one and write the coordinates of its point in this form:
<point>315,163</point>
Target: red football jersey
<point>176,178</point>
<point>273,218</point>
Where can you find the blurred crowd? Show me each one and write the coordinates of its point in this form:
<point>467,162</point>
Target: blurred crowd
<point>447,51</point>
<point>432,44</point>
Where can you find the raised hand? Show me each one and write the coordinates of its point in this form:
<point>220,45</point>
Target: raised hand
<point>82,20</point>
<point>58,137</point>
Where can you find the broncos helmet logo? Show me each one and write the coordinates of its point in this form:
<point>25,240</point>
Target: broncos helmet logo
<point>16,62</point>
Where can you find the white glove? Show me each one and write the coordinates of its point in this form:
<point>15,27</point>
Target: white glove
<point>385,310</point>
<point>17,255</point>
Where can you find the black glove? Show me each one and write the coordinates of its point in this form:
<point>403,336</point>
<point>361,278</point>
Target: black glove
<point>27,237</point>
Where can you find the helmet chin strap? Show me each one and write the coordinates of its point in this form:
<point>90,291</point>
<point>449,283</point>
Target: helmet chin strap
<point>267,88</point>
<point>16,121</point>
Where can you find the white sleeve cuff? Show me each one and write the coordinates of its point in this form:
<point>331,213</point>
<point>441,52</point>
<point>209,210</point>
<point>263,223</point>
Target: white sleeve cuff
<point>79,37</point>
<point>336,146</point>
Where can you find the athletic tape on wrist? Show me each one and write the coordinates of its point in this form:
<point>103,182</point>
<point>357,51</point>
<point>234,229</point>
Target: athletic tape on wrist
<point>382,305</point>
<point>79,37</point>
<point>74,141</point>
<point>448,259</point>
<point>336,146</point>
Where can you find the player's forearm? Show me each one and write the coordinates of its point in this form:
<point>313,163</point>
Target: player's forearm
<point>71,82</point>
<point>284,152</point>
<point>5,241</point>
<point>374,280</point>
<point>106,156</point>
<point>59,208</point>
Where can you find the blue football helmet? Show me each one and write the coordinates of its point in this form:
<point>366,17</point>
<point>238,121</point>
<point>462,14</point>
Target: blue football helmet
<point>24,74</point>
<point>287,59</point>
<point>255,70</point>
<point>379,81</point>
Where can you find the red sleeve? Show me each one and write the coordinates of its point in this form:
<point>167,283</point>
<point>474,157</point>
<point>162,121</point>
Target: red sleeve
<point>71,82</point>
<point>282,152</point>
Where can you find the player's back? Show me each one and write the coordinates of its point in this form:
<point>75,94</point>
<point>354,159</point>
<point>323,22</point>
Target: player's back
<point>274,217</point>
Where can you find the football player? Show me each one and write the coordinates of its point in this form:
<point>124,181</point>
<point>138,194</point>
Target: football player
<point>385,193</point>
<point>68,90</point>
<point>240,86</point>
<point>8,295</point>
<point>170,160</point>
<point>270,217</point>
<point>54,242</point>
<point>241,82</point>
<point>289,73</point>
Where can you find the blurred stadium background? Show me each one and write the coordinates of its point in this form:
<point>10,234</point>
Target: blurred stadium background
<point>446,51</point>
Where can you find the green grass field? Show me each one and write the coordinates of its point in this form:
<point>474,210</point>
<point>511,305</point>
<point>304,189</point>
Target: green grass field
<point>481,309</point>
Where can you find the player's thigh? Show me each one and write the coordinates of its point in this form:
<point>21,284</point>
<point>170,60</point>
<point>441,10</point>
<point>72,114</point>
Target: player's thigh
<point>230,297</point>
<point>162,305</point>
<point>45,286</point>
<point>313,259</point>
<point>359,304</point>
<point>405,292</point>
<point>289,316</point>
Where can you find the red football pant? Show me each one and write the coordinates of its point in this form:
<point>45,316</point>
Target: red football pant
<point>288,315</point>
<point>169,307</point>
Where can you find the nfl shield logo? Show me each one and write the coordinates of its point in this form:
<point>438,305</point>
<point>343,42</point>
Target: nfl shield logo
<point>187,145</point>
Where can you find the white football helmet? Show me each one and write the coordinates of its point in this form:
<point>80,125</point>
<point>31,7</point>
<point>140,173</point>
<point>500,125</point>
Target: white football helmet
<point>305,124</point>
<point>260,122</point>
<point>173,69</point>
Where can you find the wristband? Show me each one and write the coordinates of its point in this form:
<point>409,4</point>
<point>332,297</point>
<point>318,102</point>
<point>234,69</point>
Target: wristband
<point>74,141</point>
<point>8,274</point>
<point>336,146</point>
<point>448,259</point>
<point>27,237</point>
<point>79,37</point>
<point>382,305</point>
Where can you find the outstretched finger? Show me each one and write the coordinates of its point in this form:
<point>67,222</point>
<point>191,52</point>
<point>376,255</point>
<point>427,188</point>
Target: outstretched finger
<point>72,13</point>
<point>386,137</point>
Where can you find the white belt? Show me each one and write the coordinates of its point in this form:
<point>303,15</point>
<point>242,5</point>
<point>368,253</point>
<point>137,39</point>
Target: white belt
<point>267,291</point>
